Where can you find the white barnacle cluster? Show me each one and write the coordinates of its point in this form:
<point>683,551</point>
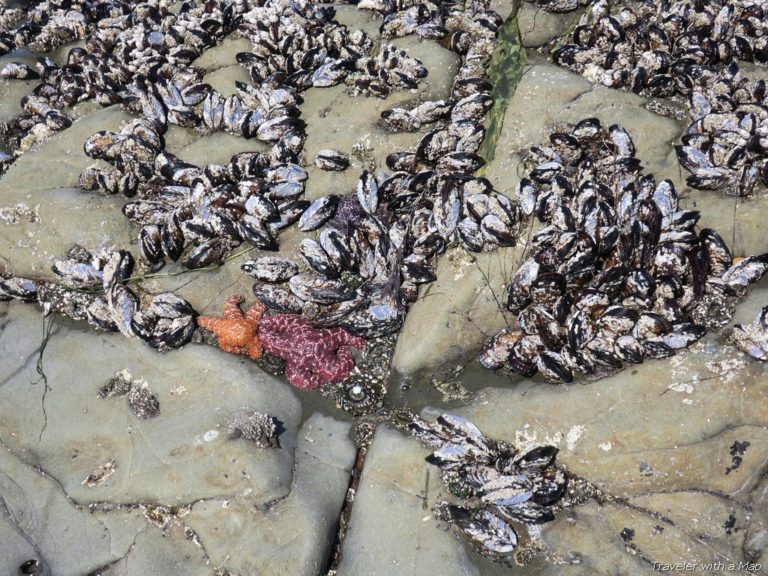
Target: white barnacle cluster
<point>261,429</point>
<point>141,400</point>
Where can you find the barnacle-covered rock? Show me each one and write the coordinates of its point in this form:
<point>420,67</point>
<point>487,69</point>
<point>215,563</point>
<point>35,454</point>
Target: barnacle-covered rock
<point>143,402</point>
<point>261,429</point>
<point>120,385</point>
<point>140,399</point>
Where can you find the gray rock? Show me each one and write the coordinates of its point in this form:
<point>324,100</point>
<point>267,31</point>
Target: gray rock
<point>58,162</point>
<point>59,218</point>
<point>222,55</point>
<point>457,313</point>
<point>293,535</point>
<point>11,93</point>
<point>538,27</point>
<point>677,444</point>
<point>35,531</point>
<point>228,494</point>
<point>330,124</point>
<point>392,530</point>
<point>180,456</point>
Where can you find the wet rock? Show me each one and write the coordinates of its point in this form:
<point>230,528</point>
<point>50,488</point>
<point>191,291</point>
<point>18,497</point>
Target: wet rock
<point>11,93</point>
<point>293,535</point>
<point>33,531</point>
<point>152,554</point>
<point>756,538</point>
<point>58,162</point>
<point>392,530</point>
<point>179,456</point>
<point>538,27</point>
<point>221,495</point>
<point>223,54</point>
<point>217,148</point>
<point>46,181</point>
<point>223,78</point>
<point>63,215</point>
<point>677,446</point>
<point>329,122</point>
<point>455,314</point>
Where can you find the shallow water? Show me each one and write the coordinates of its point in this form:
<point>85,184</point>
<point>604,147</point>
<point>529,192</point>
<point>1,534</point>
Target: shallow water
<point>678,446</point>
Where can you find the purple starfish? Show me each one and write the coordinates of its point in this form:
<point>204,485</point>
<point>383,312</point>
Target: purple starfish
<point>314,356</point>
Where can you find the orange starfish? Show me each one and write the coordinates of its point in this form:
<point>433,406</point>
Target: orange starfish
<point>237,332</point>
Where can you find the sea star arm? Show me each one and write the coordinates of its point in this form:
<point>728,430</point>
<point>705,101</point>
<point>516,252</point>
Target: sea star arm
<point>208,322</point>
<point>335,367</point>
<point>255,313</point>
<point>231,348</point>
<point>344,338</point>
<point>255,349</point>
<point>232,307</point>
<point>302,378</point>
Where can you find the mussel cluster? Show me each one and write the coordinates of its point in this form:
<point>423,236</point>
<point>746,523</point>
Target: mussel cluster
<point>664,48</point>
<point>752,338</point>
<point>306,47</point>
<point>49,24</point>
<point>661,48</point>
<point>127,46</point>
<point>618,273</point>
<point>377,245</point>
<point>367,263</point>
<point>500,485</point>
<point>560,6</point>
<point>726,145</point>
<point>93,288</point>
<point>182,209</point>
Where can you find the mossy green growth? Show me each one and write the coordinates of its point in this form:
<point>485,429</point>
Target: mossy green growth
<point>505,69</point>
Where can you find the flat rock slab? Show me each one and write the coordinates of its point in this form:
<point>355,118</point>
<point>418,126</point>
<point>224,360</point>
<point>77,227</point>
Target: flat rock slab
<point>294,535</point>
<point>181,455</point>
<point>392,530</point>
<point>457,313</point>
<point>227,491</point>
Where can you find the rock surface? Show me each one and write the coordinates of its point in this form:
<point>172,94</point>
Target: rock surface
<point>538,27</point>
<point>183,458</point>
<point>457,310</point>
<point>392,529</point>
<point>678,446</point>
<point>456,313</point>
